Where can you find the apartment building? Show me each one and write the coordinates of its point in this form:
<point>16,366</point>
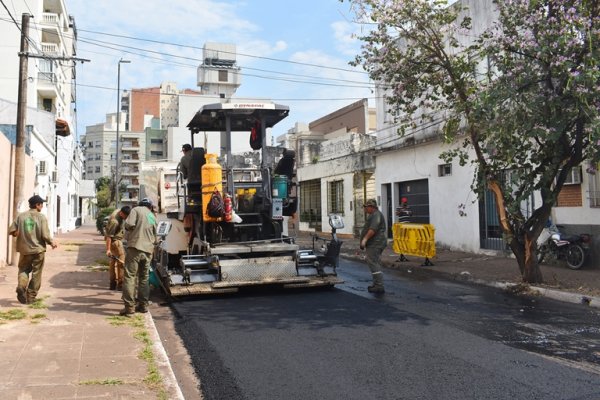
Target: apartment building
<point>50,95</point>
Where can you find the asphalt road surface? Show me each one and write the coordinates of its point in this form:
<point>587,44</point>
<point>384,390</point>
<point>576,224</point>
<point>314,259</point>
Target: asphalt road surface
<point>423,339</point>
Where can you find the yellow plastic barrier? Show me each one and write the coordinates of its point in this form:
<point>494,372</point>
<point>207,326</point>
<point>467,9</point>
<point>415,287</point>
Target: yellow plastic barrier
<point>415,240</point>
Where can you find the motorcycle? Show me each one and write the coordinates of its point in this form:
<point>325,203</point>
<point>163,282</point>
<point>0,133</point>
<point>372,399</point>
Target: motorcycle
<point>552,243</point>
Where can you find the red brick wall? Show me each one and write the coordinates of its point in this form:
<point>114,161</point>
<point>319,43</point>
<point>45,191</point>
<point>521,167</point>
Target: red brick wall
<point>570,196</point>
<point>143,102</point>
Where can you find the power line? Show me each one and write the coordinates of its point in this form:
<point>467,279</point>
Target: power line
<point>106,45</point>
<point>11,16</point>
<point>223,51</point>
<point>121,47</point>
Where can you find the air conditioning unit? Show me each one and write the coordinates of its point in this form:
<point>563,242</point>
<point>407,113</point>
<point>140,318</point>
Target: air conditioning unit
<point>54,177</point>
<point>42,169</point>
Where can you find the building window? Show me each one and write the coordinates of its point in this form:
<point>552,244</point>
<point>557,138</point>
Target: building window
<point>335,200</point>
<point>156,141</point>
<point>98,170</point>
<point>445,170</point>
<point>574,177</point>
<point>98,143</point>
<point>310,202</point>
<point>90,170</point>
<point>98,157</point>
<point>90,145</point>
<point>156,153</point>
<point>222,76</point>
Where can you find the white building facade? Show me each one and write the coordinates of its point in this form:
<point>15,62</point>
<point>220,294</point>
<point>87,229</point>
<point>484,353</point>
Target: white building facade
<point>50,90</point>
<point>440,193</point>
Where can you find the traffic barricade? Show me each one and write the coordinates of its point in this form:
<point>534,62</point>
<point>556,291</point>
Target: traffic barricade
<point>414,240</point>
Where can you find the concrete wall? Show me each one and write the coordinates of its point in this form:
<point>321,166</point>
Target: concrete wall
<point>445,193</point>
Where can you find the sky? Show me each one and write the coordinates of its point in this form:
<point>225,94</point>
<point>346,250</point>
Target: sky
<point>293,52</point>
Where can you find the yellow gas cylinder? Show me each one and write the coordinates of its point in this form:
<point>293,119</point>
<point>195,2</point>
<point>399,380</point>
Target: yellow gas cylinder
<point>212,176</point>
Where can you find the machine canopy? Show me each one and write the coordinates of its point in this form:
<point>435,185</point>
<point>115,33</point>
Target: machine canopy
<point>243,116</point>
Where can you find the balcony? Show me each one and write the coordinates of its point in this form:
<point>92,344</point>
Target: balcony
<point>129,172</point>
<point>50,49</point>
<point>129,200</point>
<point>48,85</point>
<point>52,28</point>
<point>130,161</point>
<point>133,147</point>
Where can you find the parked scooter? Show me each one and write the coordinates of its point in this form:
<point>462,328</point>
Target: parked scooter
<point>552,243</point>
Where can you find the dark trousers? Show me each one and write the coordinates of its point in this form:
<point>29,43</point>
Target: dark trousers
<point>137,270</point>
<point>31,264</point>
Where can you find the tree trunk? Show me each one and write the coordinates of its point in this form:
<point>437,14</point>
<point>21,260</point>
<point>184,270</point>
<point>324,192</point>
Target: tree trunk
<point>526,259</point>
<point>522,247</point>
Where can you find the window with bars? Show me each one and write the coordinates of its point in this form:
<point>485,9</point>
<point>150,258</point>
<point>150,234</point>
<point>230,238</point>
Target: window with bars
<point>335,197</point>
<point>310,202</point>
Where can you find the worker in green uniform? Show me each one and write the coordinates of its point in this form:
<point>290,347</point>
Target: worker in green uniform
<point>141,225</point>
<point>373,239</point>
<point>114,233</point>
<point>32,233</point>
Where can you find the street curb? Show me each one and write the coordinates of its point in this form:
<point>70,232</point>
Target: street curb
<point>568,297</point>
<point>162,360</point>
<point>554,294</point>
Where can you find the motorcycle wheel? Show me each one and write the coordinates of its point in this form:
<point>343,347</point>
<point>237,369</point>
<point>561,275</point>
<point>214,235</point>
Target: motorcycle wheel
<point>575,256</point>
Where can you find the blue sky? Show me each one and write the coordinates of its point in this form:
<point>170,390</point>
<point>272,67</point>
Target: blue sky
<point>312,31</point>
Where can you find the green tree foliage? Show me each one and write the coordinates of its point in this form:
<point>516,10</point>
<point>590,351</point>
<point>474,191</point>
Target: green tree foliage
<point>521,96</point>
<point>104,191</point>
<point>102,218</point>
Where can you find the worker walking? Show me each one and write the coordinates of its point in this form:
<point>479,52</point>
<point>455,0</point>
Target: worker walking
<point>373,239</point>
<point>32,233</point>
<point>141,225</point>
<point>115,250</point>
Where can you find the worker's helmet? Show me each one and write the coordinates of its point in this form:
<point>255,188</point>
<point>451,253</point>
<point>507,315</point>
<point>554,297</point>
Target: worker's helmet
<point>145,202</point>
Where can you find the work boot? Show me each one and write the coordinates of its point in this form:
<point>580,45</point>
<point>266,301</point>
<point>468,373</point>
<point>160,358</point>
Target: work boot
<point>376,289</point>
<point>113,285</point>
<point>21,296</point>
<point>127,311</point>
<point>141,308</point>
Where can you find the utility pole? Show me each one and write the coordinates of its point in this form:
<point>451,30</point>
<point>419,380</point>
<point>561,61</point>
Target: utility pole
<point>21,115</point>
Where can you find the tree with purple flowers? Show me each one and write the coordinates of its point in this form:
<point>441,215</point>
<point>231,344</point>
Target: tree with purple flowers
<point>521,98</point>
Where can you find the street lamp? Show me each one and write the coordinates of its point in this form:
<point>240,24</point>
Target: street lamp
<point>121,61</point>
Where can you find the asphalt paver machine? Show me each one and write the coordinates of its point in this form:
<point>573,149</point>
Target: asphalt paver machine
<point>229,232</point>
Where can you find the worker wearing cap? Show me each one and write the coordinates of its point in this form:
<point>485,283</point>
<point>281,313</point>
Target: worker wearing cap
<point>186,160</point>
<point>32,233</point>
<point>373,239</point>
<point>115,251</point>
<point>141,225</point>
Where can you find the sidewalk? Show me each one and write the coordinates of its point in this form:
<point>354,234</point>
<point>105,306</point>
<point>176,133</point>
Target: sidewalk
<point>560,282</point>
<point>72,344</point>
